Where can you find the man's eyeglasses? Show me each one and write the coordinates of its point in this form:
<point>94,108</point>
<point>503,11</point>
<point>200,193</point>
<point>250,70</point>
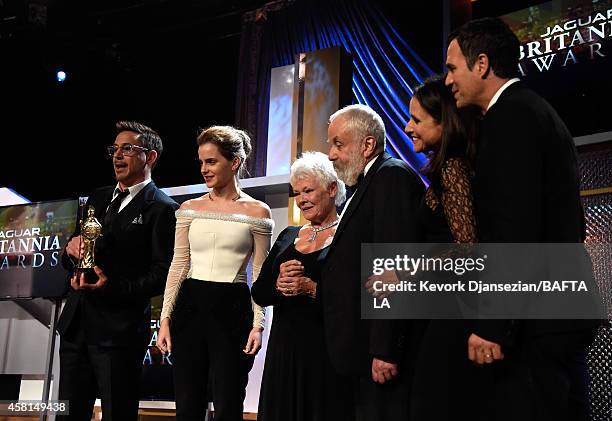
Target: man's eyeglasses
<point>127,149</point>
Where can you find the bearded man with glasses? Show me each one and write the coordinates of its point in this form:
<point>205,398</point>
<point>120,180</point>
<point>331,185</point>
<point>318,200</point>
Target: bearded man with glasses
<point>105,324</point>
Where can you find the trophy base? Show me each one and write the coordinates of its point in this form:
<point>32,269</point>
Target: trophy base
<point>89,274</point>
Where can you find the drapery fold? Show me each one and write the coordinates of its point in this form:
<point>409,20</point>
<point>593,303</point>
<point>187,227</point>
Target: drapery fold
<point>385,69</point>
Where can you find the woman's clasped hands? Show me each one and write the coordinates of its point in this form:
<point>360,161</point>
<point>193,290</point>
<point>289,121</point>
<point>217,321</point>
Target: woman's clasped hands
<point>292,282</point>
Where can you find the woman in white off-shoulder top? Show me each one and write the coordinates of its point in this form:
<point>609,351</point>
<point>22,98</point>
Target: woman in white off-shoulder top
<point>209,323</point>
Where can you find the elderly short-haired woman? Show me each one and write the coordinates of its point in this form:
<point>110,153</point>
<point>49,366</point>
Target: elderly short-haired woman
<point>299,382</point>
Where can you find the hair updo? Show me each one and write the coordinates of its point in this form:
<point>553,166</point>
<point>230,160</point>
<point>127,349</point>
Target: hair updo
<point>232,143</point>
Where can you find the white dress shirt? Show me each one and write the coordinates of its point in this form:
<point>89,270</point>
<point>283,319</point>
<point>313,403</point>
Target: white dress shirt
<point>134,190</point>
<point>500,90</point>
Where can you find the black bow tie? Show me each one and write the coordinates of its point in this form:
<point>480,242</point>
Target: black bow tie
<point>350,190</point>
<point>119,196</point>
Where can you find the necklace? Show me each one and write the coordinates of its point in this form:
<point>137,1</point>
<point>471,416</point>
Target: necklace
<point>234,199</point>
<point>315,231</point>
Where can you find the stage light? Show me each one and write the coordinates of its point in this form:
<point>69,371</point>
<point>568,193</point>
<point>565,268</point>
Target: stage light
<point>61,76</point>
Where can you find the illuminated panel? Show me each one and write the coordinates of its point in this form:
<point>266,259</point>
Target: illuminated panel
<point>279,120</point>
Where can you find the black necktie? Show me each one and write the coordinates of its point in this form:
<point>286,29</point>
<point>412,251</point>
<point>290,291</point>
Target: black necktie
<point>113,208</point>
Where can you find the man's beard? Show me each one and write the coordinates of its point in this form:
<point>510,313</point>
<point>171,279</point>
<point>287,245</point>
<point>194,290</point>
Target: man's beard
<point>349,171</point>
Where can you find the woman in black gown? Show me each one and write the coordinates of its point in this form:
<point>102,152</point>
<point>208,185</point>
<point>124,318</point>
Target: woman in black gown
<point>299,382</point>
<point>443,375</point>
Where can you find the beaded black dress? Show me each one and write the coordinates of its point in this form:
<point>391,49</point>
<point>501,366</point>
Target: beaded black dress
<point>443,375</point>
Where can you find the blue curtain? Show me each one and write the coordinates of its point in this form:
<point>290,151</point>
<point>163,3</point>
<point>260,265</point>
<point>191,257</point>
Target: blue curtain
<point>386,69</point>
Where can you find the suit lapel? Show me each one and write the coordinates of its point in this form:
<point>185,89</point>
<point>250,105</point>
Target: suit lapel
<point>505,94</point>
<point>101,203</point>
<point>484,137</point>
<point>133,210</point>
<point>359,194</point>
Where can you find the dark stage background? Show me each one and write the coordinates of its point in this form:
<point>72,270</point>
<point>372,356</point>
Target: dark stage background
<point>174,65</point>
<point>170,64</point>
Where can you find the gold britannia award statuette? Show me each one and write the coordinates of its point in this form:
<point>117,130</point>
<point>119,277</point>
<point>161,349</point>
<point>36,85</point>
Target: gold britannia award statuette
<point>91,229</point>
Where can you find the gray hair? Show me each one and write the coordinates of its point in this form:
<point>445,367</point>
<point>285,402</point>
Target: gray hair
<point>318,165</point>
<point>363,121</point>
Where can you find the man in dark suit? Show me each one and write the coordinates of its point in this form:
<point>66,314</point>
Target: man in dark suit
<point>375,353</point>
<point>105,324</point>
<point>526,190</point>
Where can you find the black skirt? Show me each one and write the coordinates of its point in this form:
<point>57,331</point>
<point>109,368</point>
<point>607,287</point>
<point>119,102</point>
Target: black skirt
<point>299,382</point>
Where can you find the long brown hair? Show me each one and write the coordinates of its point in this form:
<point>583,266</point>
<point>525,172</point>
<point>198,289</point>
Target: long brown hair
<point>459,126</point>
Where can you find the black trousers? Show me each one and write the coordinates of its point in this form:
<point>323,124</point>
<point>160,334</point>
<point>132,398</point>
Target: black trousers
<point>559,376</point>
<point>90,371</point>
<point>547,380</point>
<point>211,323</point>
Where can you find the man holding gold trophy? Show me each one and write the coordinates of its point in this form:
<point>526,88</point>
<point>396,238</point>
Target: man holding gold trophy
<point>118,258</point>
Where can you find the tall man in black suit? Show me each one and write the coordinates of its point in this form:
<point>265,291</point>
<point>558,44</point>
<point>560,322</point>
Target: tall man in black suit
<point>375,353</point>
<point>526,190</point>
<point>105,326</point>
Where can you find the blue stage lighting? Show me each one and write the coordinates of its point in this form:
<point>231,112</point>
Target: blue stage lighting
<point>61,76</point>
